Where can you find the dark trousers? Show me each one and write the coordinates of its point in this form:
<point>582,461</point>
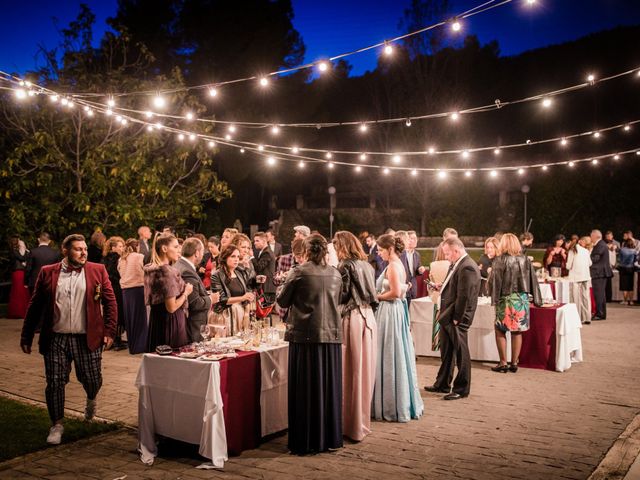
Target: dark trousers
<point>454,351</point>
<point>64,349</point>
<point>600,295</point>
<point>608,294</point>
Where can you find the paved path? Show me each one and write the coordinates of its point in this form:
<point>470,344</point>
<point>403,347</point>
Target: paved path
<point>534,424</point>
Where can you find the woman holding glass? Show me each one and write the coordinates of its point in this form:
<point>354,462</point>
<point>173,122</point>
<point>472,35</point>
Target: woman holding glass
<point>234,292</point>
<point>358,334</point>
<point>314,331</point>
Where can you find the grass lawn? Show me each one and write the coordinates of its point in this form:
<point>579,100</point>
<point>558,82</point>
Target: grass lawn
<point>426,254</point>
<point>24,428</point>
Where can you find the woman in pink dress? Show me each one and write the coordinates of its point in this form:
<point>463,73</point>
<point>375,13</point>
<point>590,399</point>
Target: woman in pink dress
<point>358,335</point>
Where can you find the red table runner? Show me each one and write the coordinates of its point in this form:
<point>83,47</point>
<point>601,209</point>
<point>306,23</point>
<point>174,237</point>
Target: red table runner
<point>539,342</point>
<point>240,389</point>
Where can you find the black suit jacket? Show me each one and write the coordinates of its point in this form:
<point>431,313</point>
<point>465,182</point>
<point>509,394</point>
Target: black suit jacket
<point>39,257</point>
<point>459,298</point>
<point>199,300</point>
<point>277,249</point>
<point>143,248</point>
<point>600,266</point>
<point>265,264</point>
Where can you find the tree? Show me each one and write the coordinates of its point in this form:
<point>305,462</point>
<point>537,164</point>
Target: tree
<point>67,171</point>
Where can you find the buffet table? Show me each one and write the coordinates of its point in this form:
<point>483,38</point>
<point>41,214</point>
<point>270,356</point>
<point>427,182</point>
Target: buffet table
<point>616,294</point>
<point>552,342</point>
<point>224,406</point>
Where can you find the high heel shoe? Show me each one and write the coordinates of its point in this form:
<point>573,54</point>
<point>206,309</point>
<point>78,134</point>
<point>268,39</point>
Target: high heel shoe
<point>500,368</point>
<point>513,367</point>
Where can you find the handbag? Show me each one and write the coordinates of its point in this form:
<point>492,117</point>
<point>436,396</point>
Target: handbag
<point>263,305</point>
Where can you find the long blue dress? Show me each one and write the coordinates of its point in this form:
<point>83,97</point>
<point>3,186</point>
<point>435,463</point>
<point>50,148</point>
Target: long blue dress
<point>396,396</point>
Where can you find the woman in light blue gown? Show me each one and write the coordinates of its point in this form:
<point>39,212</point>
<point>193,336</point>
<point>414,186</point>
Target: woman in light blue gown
<point>396,396</point>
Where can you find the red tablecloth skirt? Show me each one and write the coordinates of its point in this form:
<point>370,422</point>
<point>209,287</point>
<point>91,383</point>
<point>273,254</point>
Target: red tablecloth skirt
<point>422,286</point>
<point>240,389</point>
<point>18,296</point>
<point>539,342</point>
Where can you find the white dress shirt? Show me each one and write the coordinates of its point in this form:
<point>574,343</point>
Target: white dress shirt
<point>70,312</point>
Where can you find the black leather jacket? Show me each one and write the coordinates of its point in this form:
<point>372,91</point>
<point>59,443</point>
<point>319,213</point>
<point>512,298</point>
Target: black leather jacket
<point>220,281</point>
<point>358,285</point>
<point>312,292</point>
<point>513,274</point>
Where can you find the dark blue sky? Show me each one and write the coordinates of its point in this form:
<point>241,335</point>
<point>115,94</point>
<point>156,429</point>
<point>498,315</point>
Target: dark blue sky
<point>330,27</point>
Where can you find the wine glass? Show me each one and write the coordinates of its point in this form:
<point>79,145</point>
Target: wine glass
<point>204,331</point>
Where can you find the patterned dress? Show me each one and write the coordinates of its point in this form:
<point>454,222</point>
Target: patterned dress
<point>512,313</point>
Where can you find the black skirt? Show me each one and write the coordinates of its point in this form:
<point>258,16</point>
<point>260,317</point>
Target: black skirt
<point>626,279</point>
<point>315,397</point>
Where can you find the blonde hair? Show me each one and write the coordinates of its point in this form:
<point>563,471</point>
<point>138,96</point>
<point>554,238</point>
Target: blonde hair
<point>495,243</point>
<point>510,245</point>
<point>439,254</point>
<point>586,242</point>
<point>109,244</point>
<point>130,246</point>
<point>159,241</point>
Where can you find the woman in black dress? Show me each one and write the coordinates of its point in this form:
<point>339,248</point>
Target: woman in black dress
<point>112,250</point>
<point>485,262</point>
<point>314,331</point>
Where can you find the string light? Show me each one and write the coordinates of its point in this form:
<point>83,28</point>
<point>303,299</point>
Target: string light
<point>408,122</point>
<point>442,174</point>
<point>432,150</point>
<point>496,151</point>
<point>108,112</point>
<point>591,78</point>
<point>396,159</point>
<point>363,156</point>
<point>90,113</point>
<point>465,154</point>
<point>271,160</point>
<point>227,137</point>
<point>295,149</point>
<point>521,171</point>
<point>21,93</point>
<point>148,114</point>
<point>323,66</point>
<point>455,116</point>
<point>149,128</point>
<point>493,173</point>
<point>386,171</point>
<point>627,128</point>
<point>330,165</point>
<point>212,144</point>
<point>328,155</point>
<point>260,148</point>
<point>213,92</point>
<point>358,168</point>
<point>455,26</point>
<point>189,116</point>
<point>468,173</point>
<point>231,129</point>
<point>242,150</point>
<point>301,164</point>
<point>596,135</point>
<point>388,50</point>
<point>546,103</point>
<point>159,101</point>
<point>616,157</point>
<point>545,168</point>
<point>414,172</point>
<point>181,137</point>
<point>594,161</point>
<point>54,98</point>
<point>564,142</point>
<point>363,127</point>
<point>275,130</point>
<point>264,81</point>
<point>571,164</point>
<point>111,103</point>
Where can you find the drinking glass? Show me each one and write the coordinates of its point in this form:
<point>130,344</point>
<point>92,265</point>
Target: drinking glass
<point>204,331</point>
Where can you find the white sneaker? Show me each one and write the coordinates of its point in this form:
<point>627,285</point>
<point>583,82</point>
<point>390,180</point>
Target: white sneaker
<point>90,409</point>
<point>55,434</point>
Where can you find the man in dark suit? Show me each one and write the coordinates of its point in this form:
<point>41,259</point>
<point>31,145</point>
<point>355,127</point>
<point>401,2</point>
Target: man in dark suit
<point>199,300</point>
<point>40,256</point>
<point>265,263</point>
<point>79,314</point>
<point>458,302</point>
<point>275,247</point>
<point>144,235</point>
<point>411,260</point>
<point>600,270</point>
<point>372,255</point>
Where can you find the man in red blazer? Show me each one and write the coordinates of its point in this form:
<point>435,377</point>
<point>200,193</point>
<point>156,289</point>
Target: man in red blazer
<point>79,315</point>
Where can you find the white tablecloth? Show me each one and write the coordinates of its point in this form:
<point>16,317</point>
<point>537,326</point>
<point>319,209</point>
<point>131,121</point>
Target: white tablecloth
<point>481,336</point>
<point>546,291</point>
<point>568,337</point>
<point>180,398</point>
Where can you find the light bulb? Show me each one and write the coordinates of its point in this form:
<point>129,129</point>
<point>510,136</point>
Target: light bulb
<point>407,122</point>
<point>242,150</point>
<point>465,154</point>
<point>546,102</point>
<point>271,160</point>
<point>159,125</point>
<point>531,2</point>
<point>467,173</point>
<point>521,171</point>
<point>71,104</point>
<point>295,150</point>
<point>414,172</point>
<point>594,161</point>
<point>64,101</point>
<point>124,121</point>
<point>363,156</point>
<point>591,78</point>
<point>358,168</point>
<point>159,102</point>
<point>189,116</point>
<point>496,151</point>
<point>111,102</point>
<point>455,116</point>
<point>330,165</point>
<point>90,113</point>
<point>118,118</point>
<point>192,137</point>
<point>212,144</point>
<point>264,81</point>
<point>275,130</point>
<point>213,92</point>
<point>442,174</point>
<point>227,137</point>
<point>108,112</point>
<point>493,173</point>
<point>148,114</point>
<point>455,26</point>
<point>363,127</point>
<point>21,93</point>
<point>54,98</point>
<point>388,49</point>
<point>260,148</point>
<point>571,164</point>
<point>149,128</point>
<point>432,150</point>
<point>323,66</point>
<point>564,142</point>
<point>386,171</point>
<point>301,164</point>
<point>328,155</point>
<point>616,157</point>
<point>180,137</point>
<point>545,168</point>
<point>596,135</point>
<point>396,159</point>
<point>627,128</point>
<point>232,129</point>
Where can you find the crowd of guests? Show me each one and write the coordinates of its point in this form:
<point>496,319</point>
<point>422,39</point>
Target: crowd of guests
<point>345,304</point>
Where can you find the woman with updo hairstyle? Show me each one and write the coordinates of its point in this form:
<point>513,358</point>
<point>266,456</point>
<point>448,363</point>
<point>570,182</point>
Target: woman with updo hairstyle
<point>359,297</point>
<point>167,295</point>
<point>396,396</point>
<point>312,293</point>
<point>131,269</point>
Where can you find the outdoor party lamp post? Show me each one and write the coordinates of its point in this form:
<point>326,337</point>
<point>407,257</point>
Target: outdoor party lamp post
<point>332,205</point>
<point>525,189</point>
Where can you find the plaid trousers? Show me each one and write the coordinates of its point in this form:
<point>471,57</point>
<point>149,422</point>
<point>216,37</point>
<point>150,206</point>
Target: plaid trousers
<point>64,349</point>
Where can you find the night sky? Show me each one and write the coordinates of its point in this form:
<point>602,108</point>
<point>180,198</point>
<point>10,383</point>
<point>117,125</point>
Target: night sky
<point>331,26</point>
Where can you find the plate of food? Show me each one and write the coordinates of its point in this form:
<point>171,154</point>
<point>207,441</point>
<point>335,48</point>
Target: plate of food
<point>189,354</point>
<point>164,350</point>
